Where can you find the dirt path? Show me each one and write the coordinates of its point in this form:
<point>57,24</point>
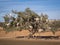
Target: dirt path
<point>28,42</point>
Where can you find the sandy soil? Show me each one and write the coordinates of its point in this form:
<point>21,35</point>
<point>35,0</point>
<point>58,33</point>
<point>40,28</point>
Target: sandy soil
<point>17,41</point>
<point>24,33</point>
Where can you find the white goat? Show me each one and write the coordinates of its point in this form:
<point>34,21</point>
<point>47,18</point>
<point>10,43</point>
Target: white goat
<point>40,30</point>
<point>8,24</point>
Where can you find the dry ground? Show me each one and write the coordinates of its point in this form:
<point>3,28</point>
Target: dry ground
<point>24,33</point>
<point>14,41</point>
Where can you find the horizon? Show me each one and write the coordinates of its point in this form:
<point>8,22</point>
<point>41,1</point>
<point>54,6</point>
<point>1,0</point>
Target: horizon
<point>49,7</point>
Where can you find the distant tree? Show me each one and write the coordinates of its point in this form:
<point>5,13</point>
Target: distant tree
<point>54,26</point>
<point>1,24</point>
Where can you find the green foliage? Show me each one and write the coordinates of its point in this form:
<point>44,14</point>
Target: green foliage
<point>6,18</point>
<point>55,25</point>
<point>25,19</point>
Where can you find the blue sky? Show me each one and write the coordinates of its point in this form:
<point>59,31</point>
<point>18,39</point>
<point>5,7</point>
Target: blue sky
<point>50,7</point>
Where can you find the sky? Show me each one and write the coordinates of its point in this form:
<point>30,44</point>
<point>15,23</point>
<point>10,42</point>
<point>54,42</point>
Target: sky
<point>49,7</point>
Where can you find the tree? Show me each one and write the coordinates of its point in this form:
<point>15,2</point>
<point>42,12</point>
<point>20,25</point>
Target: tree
<point>44,17</point>
<point>6,19</point>
<point>55,25</point>
<point>28,18</point>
